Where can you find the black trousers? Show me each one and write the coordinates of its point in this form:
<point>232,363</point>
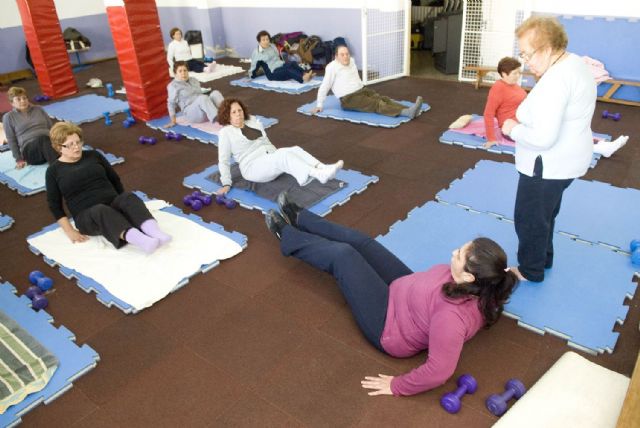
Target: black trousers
<point>125,211</point>
<point>537,205</point>
<point>39,151</point>
<point>195,65</point>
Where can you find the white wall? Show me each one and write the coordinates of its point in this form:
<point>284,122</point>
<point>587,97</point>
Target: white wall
<point>613,8</point>
<point>10,16</point>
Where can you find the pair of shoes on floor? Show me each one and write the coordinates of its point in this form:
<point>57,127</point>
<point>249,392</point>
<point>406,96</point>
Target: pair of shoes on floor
<point>288,214</point>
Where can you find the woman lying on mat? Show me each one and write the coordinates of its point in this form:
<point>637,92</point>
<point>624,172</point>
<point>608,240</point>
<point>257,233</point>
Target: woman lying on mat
<point>267,58</point>
<point>245,139</point>
<point>400,312</point>
<point>95,196</point>
<point>179,50</point>
<point>184,93</point>
<point>27,131</point>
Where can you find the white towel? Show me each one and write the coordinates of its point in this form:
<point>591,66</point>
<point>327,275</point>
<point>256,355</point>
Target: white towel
<point>131,275</point>
<point>219,71</point>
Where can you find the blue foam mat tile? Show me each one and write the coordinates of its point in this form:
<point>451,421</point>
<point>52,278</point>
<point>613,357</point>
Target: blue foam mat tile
<point>471,141</point>
<point>259,83</point>
<point>6,221</point>
<point>591,211</point>
<point>580,300</point>
<point>332,109</point>
<point>85,108</point>
<point>356,183</point>
<point>197,134</point>
<point>31,179</point>
<point>102,294</point>
<point>74,360</point>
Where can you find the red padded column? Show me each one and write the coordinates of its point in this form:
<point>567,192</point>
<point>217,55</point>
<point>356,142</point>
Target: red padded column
<point>135,27</point>
<point>46,45</point>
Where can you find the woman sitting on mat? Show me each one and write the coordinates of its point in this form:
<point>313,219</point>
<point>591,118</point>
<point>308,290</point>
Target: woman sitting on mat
<point>267,58</point>
<point>26,128</point>
<point>401,312</point>
<point>245,139</point>
<point>95,196</point>
<point>179,50</point>
<point>185,94</point>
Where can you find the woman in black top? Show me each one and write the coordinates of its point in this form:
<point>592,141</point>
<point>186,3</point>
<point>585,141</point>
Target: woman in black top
<point>95,196</point>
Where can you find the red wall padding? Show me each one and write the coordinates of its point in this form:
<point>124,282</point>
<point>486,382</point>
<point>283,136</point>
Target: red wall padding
<point>140,49</point>
<point>46,45</point>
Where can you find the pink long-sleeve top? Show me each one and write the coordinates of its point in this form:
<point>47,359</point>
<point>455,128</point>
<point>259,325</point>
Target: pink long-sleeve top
<point>502,102</point>
<point>419,317</point>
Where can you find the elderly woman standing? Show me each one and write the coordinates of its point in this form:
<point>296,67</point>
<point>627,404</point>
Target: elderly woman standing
<point>554,142</point>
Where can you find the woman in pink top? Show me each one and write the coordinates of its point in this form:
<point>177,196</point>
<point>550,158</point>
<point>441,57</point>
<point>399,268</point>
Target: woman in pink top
<point>400,312</point>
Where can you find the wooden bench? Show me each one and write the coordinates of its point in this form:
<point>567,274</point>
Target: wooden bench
<point>481,72</point>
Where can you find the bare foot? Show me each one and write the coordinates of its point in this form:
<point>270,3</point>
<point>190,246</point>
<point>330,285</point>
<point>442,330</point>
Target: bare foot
<point>307,76</point>
<point>515,270</point>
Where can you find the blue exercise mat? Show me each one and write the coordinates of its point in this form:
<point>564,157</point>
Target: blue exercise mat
<point>471,141</point>
<point>74,360</point>
<point>197,134</point>
<point>85,108</point>
<point>332,109</point>
<point>580,299</point>
<point>31,179</point>
<point>355,181</point>
<point>287,87</point>
<point>108,299</point>
<point>5,222</point>
<point>591,211</point>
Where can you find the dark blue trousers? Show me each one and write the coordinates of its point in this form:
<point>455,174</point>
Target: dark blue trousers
<point>537,205</point>
<point>290,70</point>
<point>363,267</point>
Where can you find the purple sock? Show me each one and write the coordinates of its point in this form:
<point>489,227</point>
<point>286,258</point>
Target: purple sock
<point>150,227</point>
<point>142,241</point>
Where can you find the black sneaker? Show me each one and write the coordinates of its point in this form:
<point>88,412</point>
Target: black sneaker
<point>289,209</point>
<point>275,223</point>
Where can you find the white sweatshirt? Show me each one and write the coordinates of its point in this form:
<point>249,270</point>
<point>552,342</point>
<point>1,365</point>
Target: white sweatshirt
<point>555,122</point>
<point>340,79</point>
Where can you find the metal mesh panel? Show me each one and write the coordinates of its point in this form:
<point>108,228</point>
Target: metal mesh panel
<point>488,34</point>
<point>385,27</point>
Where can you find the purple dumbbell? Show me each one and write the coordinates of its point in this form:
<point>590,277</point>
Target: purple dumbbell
<point>194,201</point>
<point>451,401</point>
<point>497,403</point>
<point>227,202</point>
<point>38,299</point>
<point>173,136</point>
<point>41,98</point>
<point>43,282</point>
<point>608,115</point>
<point>147,140</point>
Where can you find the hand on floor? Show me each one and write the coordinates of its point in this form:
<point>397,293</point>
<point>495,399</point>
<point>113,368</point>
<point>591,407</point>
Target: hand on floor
<point>489,144</point>
<point>381,384</point>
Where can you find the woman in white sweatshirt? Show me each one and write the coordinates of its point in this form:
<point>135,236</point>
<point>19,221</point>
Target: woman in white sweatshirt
<point>245,139</point>
<point>554,142</point>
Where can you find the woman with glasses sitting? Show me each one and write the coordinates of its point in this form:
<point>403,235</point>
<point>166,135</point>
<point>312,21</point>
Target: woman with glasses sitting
<point>95,196</point>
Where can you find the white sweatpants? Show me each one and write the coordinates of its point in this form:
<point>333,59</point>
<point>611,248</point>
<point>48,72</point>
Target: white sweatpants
<point>204,108</point>
<point>288,160</point>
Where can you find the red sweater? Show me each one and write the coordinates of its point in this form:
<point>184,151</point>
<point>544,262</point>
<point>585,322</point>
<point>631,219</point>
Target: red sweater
<point>502,103</point>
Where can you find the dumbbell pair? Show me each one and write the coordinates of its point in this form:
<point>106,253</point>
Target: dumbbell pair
<point>496,403</point>
<point>197,200</point>
<point>40,285</point>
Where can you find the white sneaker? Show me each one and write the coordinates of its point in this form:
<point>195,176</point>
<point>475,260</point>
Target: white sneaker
<point>338,165</point>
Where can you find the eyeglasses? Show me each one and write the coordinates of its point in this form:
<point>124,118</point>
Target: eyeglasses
<point>527,56</point>
<point>70,144</point>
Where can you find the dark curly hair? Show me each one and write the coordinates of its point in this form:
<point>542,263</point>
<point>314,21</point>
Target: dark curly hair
<point>180,64</point>
<point>507,65</point>
<point>224,111</point>
<point>263,33</point>
<point>493,283</point>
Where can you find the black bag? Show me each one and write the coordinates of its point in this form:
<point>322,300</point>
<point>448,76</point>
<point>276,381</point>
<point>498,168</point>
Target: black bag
<point>75,40</point>
<point>193,37</point>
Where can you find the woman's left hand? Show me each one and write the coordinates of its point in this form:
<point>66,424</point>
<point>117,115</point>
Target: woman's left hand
<point>381,384</point>
<point>508,125</point>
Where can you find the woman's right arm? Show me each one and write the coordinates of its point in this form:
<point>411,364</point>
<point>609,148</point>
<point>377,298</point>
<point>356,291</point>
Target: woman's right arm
<point>170,54</point>
<point>172,104</point>
<point>494,99</point>
<point>224,159</point>
<point>254,60</point>
<point>12,140</point>
<point>54,199</point>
